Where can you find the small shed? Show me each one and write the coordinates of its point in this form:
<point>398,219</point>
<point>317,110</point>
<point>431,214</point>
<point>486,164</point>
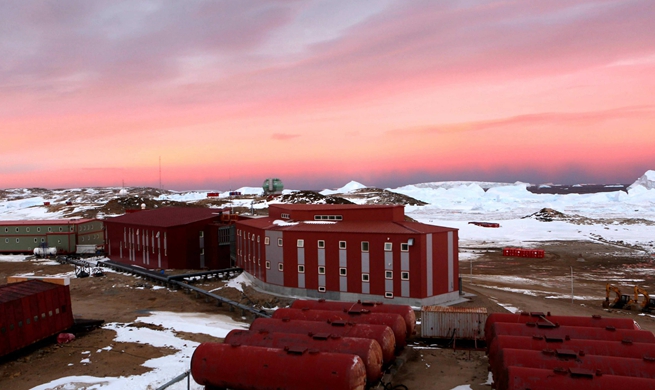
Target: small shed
<point>32,311</point>
<point>461,323</point>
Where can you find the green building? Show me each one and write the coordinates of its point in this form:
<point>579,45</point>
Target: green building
<point>63,234</point>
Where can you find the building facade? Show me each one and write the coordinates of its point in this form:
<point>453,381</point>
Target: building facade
<point>63,234</point>
<point>349,252</point>
<point>171,238</point>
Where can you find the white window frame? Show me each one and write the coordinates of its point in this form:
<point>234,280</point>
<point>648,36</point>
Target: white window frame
<point>300,243</point>
<point>388,295</point>
<point>279,242</point>
<point>404,247</point>
<point>343,271</point>
<point>343,245</point>
<point>388,246</point>
<point>301,269</point>
<point>320,244</point>
<point>367,245</point>
<point>321,289</point>
<point>321,270</point>
<point>268,265</point>
<point>404,275</point>
<point>388,274</point>
<point>267,240</point>
<point>366,277</point>
<point>280,267</point>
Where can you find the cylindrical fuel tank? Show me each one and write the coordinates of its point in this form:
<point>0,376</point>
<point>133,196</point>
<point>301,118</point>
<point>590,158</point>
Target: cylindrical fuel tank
<point>573,332</point>
<point>550,359</point>
<point>521,378</point>
<point>590,321</point>
<point>392,320</point>
<point>404,311</point>
<point>380,333</point>
<point>590,347</point>
<point>368,350</point>
<point>249,367</point>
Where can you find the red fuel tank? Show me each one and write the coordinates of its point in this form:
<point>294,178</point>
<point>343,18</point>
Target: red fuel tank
<point>566,358</point>
<point>538,317</point>
<point>573,332</point>
<point>404,311</point>
<point>249,367</point>
<point>590,347</point>
<point>380,333</point>
<point>392,320</point>
<point>521,378</point>
<point>368,350</point>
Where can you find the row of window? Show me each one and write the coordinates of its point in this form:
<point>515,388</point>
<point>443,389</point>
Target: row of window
<point>342,272</point>
<point>38,229</point>
<point>28,320</point>
<point>300,243</point>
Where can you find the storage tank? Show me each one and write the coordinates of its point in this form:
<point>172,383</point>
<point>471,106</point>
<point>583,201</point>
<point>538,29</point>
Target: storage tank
<point>539,317</point>
<point>566,358</point>
<point>249,367</point>
<point>392,320</point>
<point>368,350</point>
<point>591,347</point>
<point>574,332</point>
<point>48,251</point>
<point>564,379</point>
<point>272,186</point>
<point>380,333</point>
<point>404,311</point>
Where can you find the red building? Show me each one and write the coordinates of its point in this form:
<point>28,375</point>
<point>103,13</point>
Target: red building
<point>171,238</point>
<point>349,252</point>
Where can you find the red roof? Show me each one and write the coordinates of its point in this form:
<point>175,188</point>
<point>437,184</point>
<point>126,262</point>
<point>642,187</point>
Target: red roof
<point>386,227</point>
<point>13,291</point>
<point>46,222</point>
<point>168,216</point>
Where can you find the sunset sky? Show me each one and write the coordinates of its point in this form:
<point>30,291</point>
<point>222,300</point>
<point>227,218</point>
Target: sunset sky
<point>318,93</point>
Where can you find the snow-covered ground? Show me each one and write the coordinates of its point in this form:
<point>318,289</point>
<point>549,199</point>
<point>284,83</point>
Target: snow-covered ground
<point>611,216</point>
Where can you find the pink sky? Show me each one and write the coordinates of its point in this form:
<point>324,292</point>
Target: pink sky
<point>318,93</point>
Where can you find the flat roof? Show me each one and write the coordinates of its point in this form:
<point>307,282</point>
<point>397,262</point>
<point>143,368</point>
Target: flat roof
<point>168,216</point>
<point>47,222</point>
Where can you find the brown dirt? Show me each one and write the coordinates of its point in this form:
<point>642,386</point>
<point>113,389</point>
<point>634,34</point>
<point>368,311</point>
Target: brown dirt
<point>122,298</point>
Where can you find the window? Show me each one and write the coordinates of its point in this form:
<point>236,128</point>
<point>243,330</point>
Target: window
<point>328,217</point>
<point>258,237</point>
<point>285,215</point>
<point>365,277</point>
<point>301,269</point>
<point>38,229</point>
<point>321,289</point>
<point>17,240</point>
<point>268,265</point>
<point>301,243</point>
<point>267,240</point>
<point>27,229</point>
<point>404,275</point>
<point>16,230</point>
<point>50,230</point>
<point>321,243</point>
<point>321,270</point>
<point>280,267</point>
<point>43,240</point>
<point>388,246</point>
<point>364,246</point>
<point>343,271</point>
<point>342,245</point>
<point>388,294</point>
<point>35,240</point>
<point>279,242</point>
<point>253,238</point>
<point>404,247</point>
<point>6,241</point>
<point>388,274</point>
<point>201,233</point>
<point>6,230</point>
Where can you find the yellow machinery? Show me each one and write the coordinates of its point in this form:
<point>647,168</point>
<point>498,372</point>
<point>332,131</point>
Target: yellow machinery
<point>648,304</point>
<point>622,301</point>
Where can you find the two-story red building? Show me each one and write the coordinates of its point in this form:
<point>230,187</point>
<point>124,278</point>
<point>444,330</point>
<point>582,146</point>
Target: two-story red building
<point>349,252</point>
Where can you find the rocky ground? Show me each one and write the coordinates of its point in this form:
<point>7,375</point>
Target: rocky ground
<point>492,281</point>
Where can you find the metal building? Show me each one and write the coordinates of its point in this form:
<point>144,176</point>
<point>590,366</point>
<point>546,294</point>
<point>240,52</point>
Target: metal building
<point>31,311</point>
<point>63,234</point>
<point>349,252</point>
<point>171,238</point>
